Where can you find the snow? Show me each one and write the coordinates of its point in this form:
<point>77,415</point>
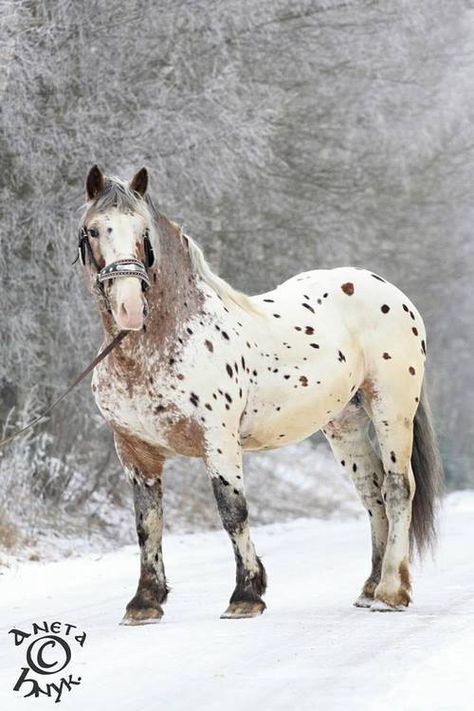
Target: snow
<point>310,650</point>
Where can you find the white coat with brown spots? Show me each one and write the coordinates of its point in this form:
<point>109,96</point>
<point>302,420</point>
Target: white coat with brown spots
<point>209,372</point>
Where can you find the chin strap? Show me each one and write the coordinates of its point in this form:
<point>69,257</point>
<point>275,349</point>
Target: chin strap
<point>100,357</point>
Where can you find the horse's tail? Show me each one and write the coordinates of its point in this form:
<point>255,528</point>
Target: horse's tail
<point>428,471</point>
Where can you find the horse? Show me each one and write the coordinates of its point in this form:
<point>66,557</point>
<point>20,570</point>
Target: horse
<point>207,371</point>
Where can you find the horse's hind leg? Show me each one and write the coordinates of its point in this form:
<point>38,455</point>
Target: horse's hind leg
<point>348,436</point>
<point>225,470</point>
<point>393,406</point>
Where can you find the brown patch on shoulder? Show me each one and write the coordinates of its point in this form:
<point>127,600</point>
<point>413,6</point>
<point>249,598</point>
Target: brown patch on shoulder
<point>186,437</point>
<point>348,288</point>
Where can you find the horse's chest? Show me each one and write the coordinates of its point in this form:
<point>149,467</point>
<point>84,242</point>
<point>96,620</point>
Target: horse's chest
<point>147,409</point>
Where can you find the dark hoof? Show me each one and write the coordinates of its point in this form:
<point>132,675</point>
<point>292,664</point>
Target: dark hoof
<point>240,610</point>
<point>142,616</point>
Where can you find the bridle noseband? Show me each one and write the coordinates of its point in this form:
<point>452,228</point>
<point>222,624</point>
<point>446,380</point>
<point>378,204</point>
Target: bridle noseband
<point>129,267</point>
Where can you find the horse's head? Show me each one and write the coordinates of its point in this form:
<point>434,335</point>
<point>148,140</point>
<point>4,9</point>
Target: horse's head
<point>116,244</point>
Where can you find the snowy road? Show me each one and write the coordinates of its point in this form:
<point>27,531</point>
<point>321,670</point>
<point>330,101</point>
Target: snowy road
<point>310,650</point>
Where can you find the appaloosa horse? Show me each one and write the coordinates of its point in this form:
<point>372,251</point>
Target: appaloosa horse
<point>210,372</point>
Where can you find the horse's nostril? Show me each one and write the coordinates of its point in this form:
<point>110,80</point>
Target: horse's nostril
<point>145,310</point>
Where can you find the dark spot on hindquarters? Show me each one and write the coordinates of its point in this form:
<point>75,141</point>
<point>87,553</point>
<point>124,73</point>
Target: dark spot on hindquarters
<point>208,406</point>
<point>189,330</point>
<point>387,356</point>
<point>298,328</point>
<point>158,409</point>
<point>309,307</point>
<point>412,315</point>
<point>224,481</point>
<point>229,370</point>
<point>194,399</point>
<point>269,301</point>
<point>277,315</point>
<point>171,361</point>
<point>348,288</point>
<point>343,462</point>
<point>341,356</point>
<point>306,297</point>
<point>405,307</point>
<point>377,277</point>
<point>219,451</point>
<point>314,345</point>
<point>354,467</point>
<point>411,370</point>
<point>325,295</point>
<point>379,501</point>
<point>243,362</point>
<point>309,330</point>
<point>254,372</point>
<point>151,379</point>
<point>228,397</point>
<point>209,346</point>
<point>423,347</point>
<point>225,335</point>
<point>370,513</point>
<point>393,457</point>
<point>385,309</point>
<point>304,380</point>
<point>286,377</point>
<point>417,399</point>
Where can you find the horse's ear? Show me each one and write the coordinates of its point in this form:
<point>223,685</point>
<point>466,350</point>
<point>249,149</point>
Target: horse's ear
<point>139,182</point>
<point>94,182</point>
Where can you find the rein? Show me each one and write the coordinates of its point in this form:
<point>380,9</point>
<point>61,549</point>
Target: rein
<point>103,354</point>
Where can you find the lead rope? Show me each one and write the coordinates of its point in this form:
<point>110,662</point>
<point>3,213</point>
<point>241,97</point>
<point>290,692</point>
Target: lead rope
<point>103,354</point>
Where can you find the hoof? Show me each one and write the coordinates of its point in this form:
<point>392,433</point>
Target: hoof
<point>143,616</point>
<point>381,606</point>
<point>241,610</point>
<point>364,601</point>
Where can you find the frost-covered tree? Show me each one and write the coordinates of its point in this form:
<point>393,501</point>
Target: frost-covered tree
<point>284,135</point>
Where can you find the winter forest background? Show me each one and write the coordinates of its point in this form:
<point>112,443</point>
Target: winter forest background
<point>284,135</point>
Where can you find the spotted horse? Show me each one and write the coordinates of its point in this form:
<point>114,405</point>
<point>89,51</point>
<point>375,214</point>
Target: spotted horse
<point>206,371</point>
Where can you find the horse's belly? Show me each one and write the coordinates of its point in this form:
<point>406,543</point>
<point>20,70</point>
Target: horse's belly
<point>290,419</point>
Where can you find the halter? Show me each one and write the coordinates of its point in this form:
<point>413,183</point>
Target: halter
<point>124,268</point>
<point>129,267</point>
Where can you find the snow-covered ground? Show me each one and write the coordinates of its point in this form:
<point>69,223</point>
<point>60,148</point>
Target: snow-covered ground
<point>310,650</point>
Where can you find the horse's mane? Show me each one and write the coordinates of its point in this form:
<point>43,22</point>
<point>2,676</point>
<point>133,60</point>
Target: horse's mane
<point>117,193</point>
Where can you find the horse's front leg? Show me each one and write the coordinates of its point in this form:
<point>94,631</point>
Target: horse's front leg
<point>225,471</point>
<point>145,606</point>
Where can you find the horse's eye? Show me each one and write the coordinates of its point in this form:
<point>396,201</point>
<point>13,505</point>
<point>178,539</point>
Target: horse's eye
<point>93,232</point>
